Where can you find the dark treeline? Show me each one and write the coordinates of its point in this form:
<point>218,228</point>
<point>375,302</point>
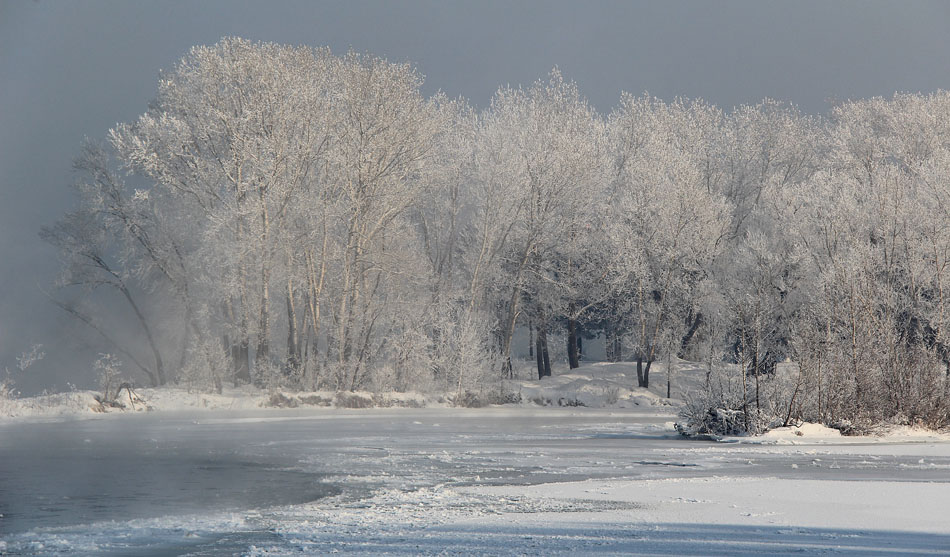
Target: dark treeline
<point>284,216</point>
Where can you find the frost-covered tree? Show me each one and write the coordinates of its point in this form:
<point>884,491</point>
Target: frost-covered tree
<point>286,216</point>
<point>538,148</point>
<point>237,128</point>
<point>886,272</point>
<point>665,225</point>
<point>385,143</point>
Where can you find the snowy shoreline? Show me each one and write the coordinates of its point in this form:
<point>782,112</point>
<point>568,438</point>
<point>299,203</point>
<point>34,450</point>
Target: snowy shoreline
<point>593,386</point>
<point>597,385</point>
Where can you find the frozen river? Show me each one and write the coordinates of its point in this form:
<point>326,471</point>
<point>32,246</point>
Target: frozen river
<point>143,466</point>
<point>315,481</point>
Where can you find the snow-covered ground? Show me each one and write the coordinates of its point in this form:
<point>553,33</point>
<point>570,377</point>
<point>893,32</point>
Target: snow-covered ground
<point>597,385</point>
<point>516,479</point>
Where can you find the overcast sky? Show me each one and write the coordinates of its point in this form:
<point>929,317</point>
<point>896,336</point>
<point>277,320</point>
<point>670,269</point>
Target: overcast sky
<point>73,69</point>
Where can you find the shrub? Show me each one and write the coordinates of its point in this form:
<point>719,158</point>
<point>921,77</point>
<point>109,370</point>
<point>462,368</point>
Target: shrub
<point>466,399</point>
<point>721,408</point>
<point>280,400</point>
<point>502,396</point>
<point>572,402</point>
<point>541,401</point>
<point>108,369</point>
<point>315,400</point>
<point>352,400</point>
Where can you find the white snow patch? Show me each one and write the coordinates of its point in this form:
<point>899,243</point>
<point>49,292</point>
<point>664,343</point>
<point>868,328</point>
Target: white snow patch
<point>593,385</point>
<point>596,385</point>
<point>809,431</point>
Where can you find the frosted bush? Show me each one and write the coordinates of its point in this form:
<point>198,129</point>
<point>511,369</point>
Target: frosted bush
<point>273,376</point>
<point>27,359</point>
<point>721,408</point>
<point>109,372</point>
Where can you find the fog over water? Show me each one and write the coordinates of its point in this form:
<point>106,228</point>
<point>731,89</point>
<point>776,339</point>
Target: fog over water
<point>72,70</point>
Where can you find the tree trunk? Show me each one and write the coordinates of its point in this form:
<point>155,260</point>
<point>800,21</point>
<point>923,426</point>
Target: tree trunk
<point>547,359</point>
<point>743,371</point>
<point>315,288</point>
<point>539,358</point>
<point>639,369</point>
<point>608,345</point>
<point>240,352</point>
<point>241,356</point>
<point>613,346</point>
<point>669,371</point>
<point>543,359</point>
<point>693,327</point>
<point>263,328</point>
<point>757,361</point>
<point>293,349</point>
<point>573,358</point>
<point>159,366</point>
<point>530,339</point>
<point>513,313</point>
<point>510,332</point>
<point>854,349</point>
<point>187,337</point>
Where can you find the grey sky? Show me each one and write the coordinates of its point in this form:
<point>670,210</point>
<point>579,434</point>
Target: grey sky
<point>74,69</point>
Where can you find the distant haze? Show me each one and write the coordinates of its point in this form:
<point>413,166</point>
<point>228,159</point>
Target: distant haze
<point>70,70</point>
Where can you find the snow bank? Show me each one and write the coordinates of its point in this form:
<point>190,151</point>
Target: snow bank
<point>596,385</point>
<point>818,434</point>
<point>806,430</point>
<point>173,399</point>
<point>593,385</point>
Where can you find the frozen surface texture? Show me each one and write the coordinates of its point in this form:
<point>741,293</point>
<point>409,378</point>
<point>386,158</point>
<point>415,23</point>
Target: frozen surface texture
<point>509,480</point>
